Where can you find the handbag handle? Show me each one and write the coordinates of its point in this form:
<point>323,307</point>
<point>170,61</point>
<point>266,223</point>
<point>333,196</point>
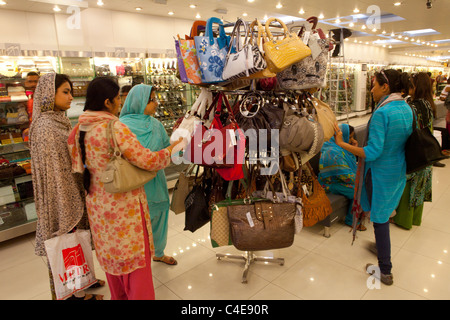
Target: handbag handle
<point>236,35</point>
<point>251,32</point>
<point>283,25</point>
<point>209,32</point>
<point>246,113</point>
<point>197,25</point>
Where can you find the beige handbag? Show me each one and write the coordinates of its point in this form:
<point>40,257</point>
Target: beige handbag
<point>326,117</point>
<point>182,188</point>
<point>280,54</point>
<point>120,175</point>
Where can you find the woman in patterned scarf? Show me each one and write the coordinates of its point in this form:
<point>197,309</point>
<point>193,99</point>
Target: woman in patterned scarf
<point>58,193</point>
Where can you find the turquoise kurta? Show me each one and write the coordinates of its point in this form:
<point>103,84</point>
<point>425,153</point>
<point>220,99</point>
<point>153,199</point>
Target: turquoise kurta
<point>389,129</point>
<point>152,135</point>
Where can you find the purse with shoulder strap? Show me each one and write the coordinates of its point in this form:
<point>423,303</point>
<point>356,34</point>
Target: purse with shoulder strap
<point>120,175</point>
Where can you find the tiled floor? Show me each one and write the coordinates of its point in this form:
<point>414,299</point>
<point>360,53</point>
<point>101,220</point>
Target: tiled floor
<point>315,267</point>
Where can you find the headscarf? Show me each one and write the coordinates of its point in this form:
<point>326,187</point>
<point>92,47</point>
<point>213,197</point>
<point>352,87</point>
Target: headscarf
<point>149,132</point>
<point>44,104</point>
<point>336,161</point>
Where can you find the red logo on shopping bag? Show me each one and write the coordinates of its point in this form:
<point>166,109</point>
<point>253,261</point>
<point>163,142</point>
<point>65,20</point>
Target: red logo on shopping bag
<point>74,263</point>
<point>73,257</point>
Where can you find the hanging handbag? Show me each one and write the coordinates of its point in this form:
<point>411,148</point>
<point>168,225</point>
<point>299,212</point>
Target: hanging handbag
<point>280,54</point>
<point>257,41</point>
<point>180,64</point>
<point>300,132</point>
<point>219,146</point>
<point>242,60</point>
<point>71,262</point>
<point>326,118</point>
<point>309,72</point>
<point>189,54</point>
<point>422,148</point>
<point>212,52</point>
<point>316,206</point>
<point>196,204</point>
<point>183,186</point>
<point>120,175</point>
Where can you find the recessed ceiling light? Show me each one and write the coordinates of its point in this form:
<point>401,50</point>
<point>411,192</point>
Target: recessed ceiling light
<point>412,39</point>
<point>301,11</point>
<point>384,32</point>
<point>392,34</point>
<point>356,10</point>
<point>192,6</point>
<point>390,47</point>
<point>100,3</point>
<point>279,6</point>
<point>2,3</point>
<point>351,24</point>
<point>399,36</point>
<point>397,3</point>
<point>56,8</point>
<point>138,8</point>
<point>250,0</point>
<point>374,29</point>
<point>321,16</point>
<point>338,20</point>
<point>364,27</point>
<point>406,38</point>
<point>198,16</point>
<point>245,14</point>
<point>265,17</point>
<point>170,13</point>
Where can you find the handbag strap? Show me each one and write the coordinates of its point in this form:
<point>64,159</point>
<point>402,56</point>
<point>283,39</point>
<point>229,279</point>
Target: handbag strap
<point>196,27</point>
<point>283,25</point>
<point>209,32</point>
<point>251,32</point>
<point>111,136</point>
<point>236,36</point>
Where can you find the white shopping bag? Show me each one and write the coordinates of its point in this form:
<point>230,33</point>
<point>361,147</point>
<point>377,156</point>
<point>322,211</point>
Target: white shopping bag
<point>71,261</point>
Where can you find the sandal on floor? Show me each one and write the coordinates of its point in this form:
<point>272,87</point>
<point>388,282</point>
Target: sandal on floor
<point>98,284</point>
<point>93,297</point>
<point>166,259</point>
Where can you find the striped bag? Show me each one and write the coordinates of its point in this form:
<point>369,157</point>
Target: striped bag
<point>246,60</point>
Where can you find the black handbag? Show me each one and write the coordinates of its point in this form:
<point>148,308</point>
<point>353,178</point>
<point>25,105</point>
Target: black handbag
<point>422,149</point>
<point>197,212</point>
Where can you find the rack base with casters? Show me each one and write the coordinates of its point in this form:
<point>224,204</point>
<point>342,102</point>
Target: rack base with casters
<point>249,257</point>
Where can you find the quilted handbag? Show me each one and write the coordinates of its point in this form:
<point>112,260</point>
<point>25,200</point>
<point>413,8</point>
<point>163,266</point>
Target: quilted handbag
<point>242,60</point>
<point>309,72</point>
<point>280,54</point>
<point>212,52</point>
<point>189,56</point>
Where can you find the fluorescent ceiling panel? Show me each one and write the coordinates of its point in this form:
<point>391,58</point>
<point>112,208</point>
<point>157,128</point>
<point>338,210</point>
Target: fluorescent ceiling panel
<point>441,41</point>
<point>421,32</point>
<point>389,41</point>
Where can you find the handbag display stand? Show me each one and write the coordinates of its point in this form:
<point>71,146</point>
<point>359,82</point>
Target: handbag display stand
<point>249,257</point>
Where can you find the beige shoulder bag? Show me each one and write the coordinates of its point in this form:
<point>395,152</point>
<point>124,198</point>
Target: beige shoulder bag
<point>120,175</point>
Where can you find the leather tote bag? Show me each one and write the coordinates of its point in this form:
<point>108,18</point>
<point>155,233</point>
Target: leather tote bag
<point>183,186</point>
<point>422,149</point>
<point>309,72</point>
<point>280,54</point>
<point>119,174</point>
<point>212,52</point>
<point>189,54</point>
<point>242,60</point>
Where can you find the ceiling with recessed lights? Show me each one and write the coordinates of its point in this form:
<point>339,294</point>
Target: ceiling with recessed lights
<point>406,26</point>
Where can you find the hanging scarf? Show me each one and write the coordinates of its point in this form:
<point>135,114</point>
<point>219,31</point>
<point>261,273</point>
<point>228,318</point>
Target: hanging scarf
<point>336,161</point>
<point>86,122</point>
<point>149,132</point>
<point>357,212</point>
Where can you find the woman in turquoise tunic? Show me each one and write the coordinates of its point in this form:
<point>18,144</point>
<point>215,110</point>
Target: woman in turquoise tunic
<point>384,162</point>
<point>137,113</point>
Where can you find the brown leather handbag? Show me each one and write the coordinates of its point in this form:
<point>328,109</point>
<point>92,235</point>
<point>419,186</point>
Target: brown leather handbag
<point>262,225</point>
<point>316,206</point>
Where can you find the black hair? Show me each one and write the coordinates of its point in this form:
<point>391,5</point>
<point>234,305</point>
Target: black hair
<point>124,89</point>
<point>60,79</point>
<point>422,89</point>
<point>99,90</point>
<point>393,80</point>
<point>32,74</point>
<point>407,84</point>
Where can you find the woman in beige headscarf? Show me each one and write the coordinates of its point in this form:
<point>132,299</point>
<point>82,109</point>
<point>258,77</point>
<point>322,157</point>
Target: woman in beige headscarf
<point>58,193</point>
